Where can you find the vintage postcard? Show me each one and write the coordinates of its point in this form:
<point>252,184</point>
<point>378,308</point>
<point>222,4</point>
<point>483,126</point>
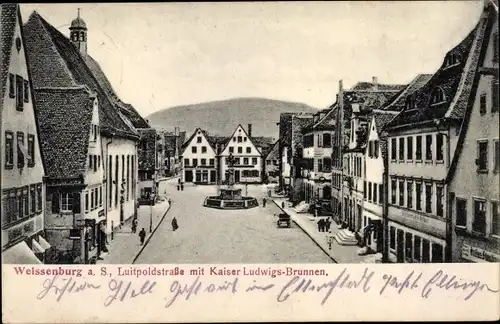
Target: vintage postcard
<point>250,161</point>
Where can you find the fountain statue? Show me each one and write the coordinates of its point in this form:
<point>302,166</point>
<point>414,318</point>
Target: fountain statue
<point>230,197</point>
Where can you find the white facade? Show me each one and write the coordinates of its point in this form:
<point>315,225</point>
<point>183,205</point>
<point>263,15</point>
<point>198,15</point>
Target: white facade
<point>22,171</point>
<point>120,173</point>
<point>248,158</point>
<point>199,160</point>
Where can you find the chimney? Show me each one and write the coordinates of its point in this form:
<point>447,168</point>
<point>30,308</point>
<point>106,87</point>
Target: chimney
<point>375,83</point>
<point>249,130</point>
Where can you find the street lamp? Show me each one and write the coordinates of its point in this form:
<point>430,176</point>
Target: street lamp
<point>151,213</point>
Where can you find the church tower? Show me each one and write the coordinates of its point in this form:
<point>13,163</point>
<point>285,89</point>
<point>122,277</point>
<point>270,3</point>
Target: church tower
<point>78,34</point>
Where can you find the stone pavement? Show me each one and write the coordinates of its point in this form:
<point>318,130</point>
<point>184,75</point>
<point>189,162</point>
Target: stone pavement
<point>308,223</point>
<point>125,245</point>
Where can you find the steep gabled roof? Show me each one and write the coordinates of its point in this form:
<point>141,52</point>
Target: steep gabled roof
<point>382,87</point>
<point>251,139</point>
<point>397,103</point>
<point>212,140</point>
<point>381,119</point>
<point>273,153</point>
<point>56,62</point>
<point>325,123</point>
<point>455,82</point>
<point>8,19</point>
<point>127,109</point>
<point>64,117</point>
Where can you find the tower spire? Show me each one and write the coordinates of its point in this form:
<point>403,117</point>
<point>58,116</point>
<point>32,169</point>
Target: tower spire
<point>78,15</point>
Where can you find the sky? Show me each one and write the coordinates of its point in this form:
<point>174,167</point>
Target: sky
<point>159,55</point>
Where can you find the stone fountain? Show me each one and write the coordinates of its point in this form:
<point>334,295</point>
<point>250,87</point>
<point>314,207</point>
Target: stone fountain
<point>230,197</point>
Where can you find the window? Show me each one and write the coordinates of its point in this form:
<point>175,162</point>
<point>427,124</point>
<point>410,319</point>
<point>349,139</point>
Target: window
<point>461,212</point>
<point>416,248</point>
<point>231,149</point>
<point>91,159</point>
<point>409,247</point>
<point>401,149</point>
<point>364,190</point>
<point>193,149</point>
<point>87,202</point>
<point>418,151</point>
<point>19,92</point>
<point>95,163</point>
<point>393,191</point>
<point>39,197</point>
<point>186,162</point>
<point>195,163</point>
<point>375,193</point>
<point>437,96</point>
<point>496,156</point>
<point>234,139</point>
<point>327,164</point>
<point>392,238</point>
<point>327,140</point>
<point>495,222</point>
<point>244,139</point>
<point>9,150</point>
<point>203,149</point>
<point>381,194</point>
<point>26,91</point>
<point>240,149</point>
<point>409,193</point>
<point>92,199</point>
<point>32,199</point>
<point>428,147</point>
<point>245,161</point>
<point>482,103</point>
<point>495,47</point>
<point>198,139</point>
<point>439,201</point>
<point>426,251</point>
<point>254,161</point>
<point>20,203</point>
<point>369,191</point>
<point>26,201</point>
<point>409,148</point>
<point>494,94</point>
<point>482,154</point>
<point>401,192</point>
<point>249,150</point>
<point>418,196</point>
<point>437,253</point>
<point>67,202</point>
<point>393,149</point>
<point>240,139</point>
<point>99,161</point>
<point>21,151</point>
<point>428,198</point>
<point>12,85</point>
<point>439,147</point>
<point>212,162</point>
<point>100,196</point>
<point>479,223</point>
<point>203,161</point>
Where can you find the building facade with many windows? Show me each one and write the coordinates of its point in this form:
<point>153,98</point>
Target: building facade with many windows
<point>199,160</point>
<point>474,175</point>
<point>422,140</point>
<point>21,164</point>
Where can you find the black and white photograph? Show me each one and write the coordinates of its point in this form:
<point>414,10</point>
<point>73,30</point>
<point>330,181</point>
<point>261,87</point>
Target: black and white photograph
<point>250,133</point>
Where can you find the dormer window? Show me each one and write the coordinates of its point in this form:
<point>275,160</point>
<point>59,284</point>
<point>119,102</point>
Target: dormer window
<point>410,103</point>
<point>451,60</point>
<point>437,96</point>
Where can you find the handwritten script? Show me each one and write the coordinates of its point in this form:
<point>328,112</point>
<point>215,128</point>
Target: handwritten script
<point>424,285</point>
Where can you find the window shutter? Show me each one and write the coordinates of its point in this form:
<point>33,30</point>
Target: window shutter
<point>494,95</point>
<point>76,203</point>
<point>55,203</point>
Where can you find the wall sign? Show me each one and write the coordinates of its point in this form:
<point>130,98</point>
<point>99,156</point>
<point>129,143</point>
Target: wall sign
<point>478,255</point>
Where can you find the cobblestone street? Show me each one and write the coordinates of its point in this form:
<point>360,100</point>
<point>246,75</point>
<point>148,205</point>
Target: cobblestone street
<point>207,235</point>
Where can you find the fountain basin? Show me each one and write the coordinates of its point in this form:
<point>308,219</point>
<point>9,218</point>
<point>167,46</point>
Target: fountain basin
<point>221,202</point>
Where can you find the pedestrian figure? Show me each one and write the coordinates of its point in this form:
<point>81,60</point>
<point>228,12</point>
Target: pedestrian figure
<point>283,205</point>
<point>179,181</point>
<point>182,187</point>
<point>327,225</point>
<point>134,225</point>
<point>175,226</point>
<point>264,202</point>
<point>320,225</point>
<point>142,235</point>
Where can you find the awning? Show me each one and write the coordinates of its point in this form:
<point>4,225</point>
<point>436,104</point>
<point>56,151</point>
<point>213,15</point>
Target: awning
<point>19,254</point>
<point>43,242</point>
<point>37,248</point>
